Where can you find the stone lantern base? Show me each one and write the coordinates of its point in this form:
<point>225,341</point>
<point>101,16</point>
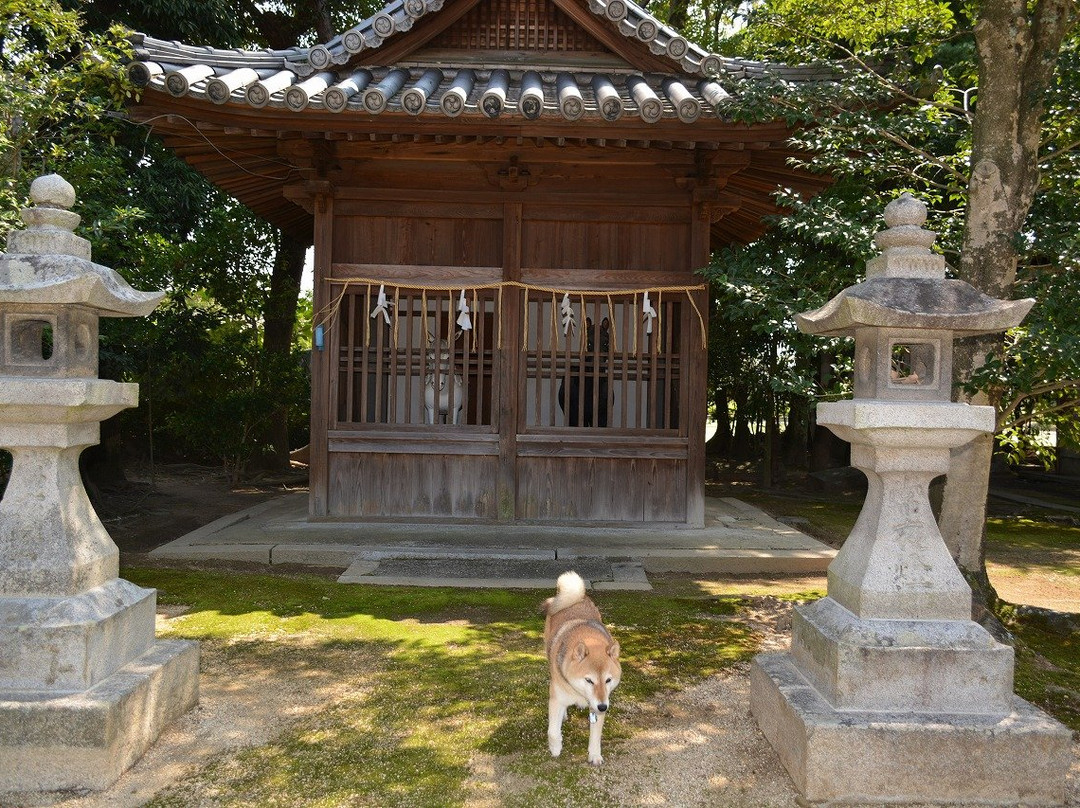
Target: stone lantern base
<point>85,688</point>
<point>890,692</point>
<point>851,756</point>
<point>86,740</point>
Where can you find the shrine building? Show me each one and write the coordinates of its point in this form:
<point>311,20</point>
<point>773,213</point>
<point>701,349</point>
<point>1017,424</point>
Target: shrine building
<point>509,201</point>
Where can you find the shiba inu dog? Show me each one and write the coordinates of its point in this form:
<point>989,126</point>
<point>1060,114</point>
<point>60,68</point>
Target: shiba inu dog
<point>583,660</point>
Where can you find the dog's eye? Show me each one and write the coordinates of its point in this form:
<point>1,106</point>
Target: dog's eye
<point>590,681</point>
<point>608,682</point>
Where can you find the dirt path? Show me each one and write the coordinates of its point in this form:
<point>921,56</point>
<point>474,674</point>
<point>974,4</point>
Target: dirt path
<point>690,749</point>
<point>149,511</point>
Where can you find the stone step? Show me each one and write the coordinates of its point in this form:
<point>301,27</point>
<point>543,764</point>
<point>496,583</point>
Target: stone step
<point>505,573</point>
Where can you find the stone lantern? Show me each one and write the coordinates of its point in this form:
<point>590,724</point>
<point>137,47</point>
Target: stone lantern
<point>84,686</point>
<point>890,692</point>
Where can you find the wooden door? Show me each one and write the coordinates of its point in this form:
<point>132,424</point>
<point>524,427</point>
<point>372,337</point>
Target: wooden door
<point>534,419</point>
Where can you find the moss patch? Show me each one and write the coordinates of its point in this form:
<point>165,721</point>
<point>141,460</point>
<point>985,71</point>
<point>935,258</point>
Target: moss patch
<point>1048,667</point>
<point>439,679</point>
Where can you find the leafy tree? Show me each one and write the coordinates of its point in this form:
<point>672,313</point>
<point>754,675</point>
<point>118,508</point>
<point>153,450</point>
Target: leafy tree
<point>964,106</point>
<point>149,215</point>
<point>246,23</point>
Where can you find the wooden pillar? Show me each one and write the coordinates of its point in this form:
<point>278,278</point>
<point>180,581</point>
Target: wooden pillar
<point>698,369</point>
<point>511,383</point>
<point>318,471</point>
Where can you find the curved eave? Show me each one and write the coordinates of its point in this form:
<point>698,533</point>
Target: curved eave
<point>923,303</point>
<point>238,149</point>
<point>425,90</point>
<point>364,40</point>
<point>74,282</point>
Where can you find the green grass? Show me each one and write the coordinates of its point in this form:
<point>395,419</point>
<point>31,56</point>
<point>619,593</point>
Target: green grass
<point>436,677</point>
<point>1025,544</point>
<point>1048,668</point>
<point>436,680</point>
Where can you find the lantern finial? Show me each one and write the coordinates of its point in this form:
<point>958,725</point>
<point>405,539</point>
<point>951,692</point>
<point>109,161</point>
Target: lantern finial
<point>905,245</point>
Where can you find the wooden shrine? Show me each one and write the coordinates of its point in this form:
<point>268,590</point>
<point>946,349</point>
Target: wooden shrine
<point>509,200</point>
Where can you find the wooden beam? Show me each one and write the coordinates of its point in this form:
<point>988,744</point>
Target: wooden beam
<point>511,387</point>
<point>318,471</point>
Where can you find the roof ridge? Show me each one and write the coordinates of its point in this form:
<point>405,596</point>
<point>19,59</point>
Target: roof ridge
<point>630,19</point>
<point>398,16</point>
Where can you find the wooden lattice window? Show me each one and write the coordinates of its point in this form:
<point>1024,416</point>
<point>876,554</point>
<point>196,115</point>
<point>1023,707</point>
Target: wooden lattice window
<point>517,25</point>
<point>413,365</point>
<point>608,368</point>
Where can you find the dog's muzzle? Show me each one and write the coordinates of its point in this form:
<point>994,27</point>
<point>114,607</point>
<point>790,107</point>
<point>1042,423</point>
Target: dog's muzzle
<point>601,708</point>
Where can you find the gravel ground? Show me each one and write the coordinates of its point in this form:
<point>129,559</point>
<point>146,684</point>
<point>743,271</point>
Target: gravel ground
<point>695,748</point>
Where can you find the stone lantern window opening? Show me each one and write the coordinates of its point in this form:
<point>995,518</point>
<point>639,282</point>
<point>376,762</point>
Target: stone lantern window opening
<point>49,341</point>
<point>31,339</point>
<point>903,364</point>
<point>913,362</point>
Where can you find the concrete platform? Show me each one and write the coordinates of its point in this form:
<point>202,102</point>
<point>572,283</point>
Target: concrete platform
<point>737,539</point>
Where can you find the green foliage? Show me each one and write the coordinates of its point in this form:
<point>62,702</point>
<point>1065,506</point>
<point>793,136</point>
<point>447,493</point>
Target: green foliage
<point>830,28</point>
<point>436,678</point>
<point>57,85</point>
<point>896,117</point>
<point>207,386</point>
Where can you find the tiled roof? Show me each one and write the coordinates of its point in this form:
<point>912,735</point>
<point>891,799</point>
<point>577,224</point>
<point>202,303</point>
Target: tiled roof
<point>417,90</point>
<point>331,76</point>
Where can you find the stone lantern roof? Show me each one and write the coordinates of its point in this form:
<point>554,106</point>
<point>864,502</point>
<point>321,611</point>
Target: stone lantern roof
<point>906,287</point>
<point>48,265</point>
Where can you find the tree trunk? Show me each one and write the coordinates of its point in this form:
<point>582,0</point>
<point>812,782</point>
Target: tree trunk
<point>1017,48</point>
<point>720,443</point>
<point>278,322</point>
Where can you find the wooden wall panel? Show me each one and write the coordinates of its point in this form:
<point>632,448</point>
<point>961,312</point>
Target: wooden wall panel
<point>596,489</point>
<point>665,491</point>
<point>412,485</point>
<point>660,247</point>
<point>424,241</point>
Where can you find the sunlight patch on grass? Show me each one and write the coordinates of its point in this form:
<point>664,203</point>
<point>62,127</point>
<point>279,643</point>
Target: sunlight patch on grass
<point>444,677</point>
<point>1029,533</point>
<point>798,588</point>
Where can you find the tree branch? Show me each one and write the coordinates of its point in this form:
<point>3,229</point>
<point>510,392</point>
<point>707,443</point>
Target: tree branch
<point>1004,418</point>
<point>1026,419</point>
<point>1063,151</point>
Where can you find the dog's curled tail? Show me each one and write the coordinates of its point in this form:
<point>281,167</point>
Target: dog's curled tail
<point>569,589</point>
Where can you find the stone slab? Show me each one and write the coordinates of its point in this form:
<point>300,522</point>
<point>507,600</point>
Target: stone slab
<point>841,757</point>
<point>315,555</point>
<point>257,553</point>
<point>626,575</point>
<point>475,572</point>
<point>458,583</point>
<point>71,643</point>
<point>738,562</point>
<point>452,553</point>
<point>932,666</point>
<point>739,539</point>
<point>87,740</point>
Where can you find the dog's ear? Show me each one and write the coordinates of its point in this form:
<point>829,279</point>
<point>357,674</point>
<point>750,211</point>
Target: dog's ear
<point>580,652</point>
<point>613,649</point>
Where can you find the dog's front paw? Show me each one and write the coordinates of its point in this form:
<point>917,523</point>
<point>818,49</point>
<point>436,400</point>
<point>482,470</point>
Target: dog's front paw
<point>596,760</point>
<point>555,746</point>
